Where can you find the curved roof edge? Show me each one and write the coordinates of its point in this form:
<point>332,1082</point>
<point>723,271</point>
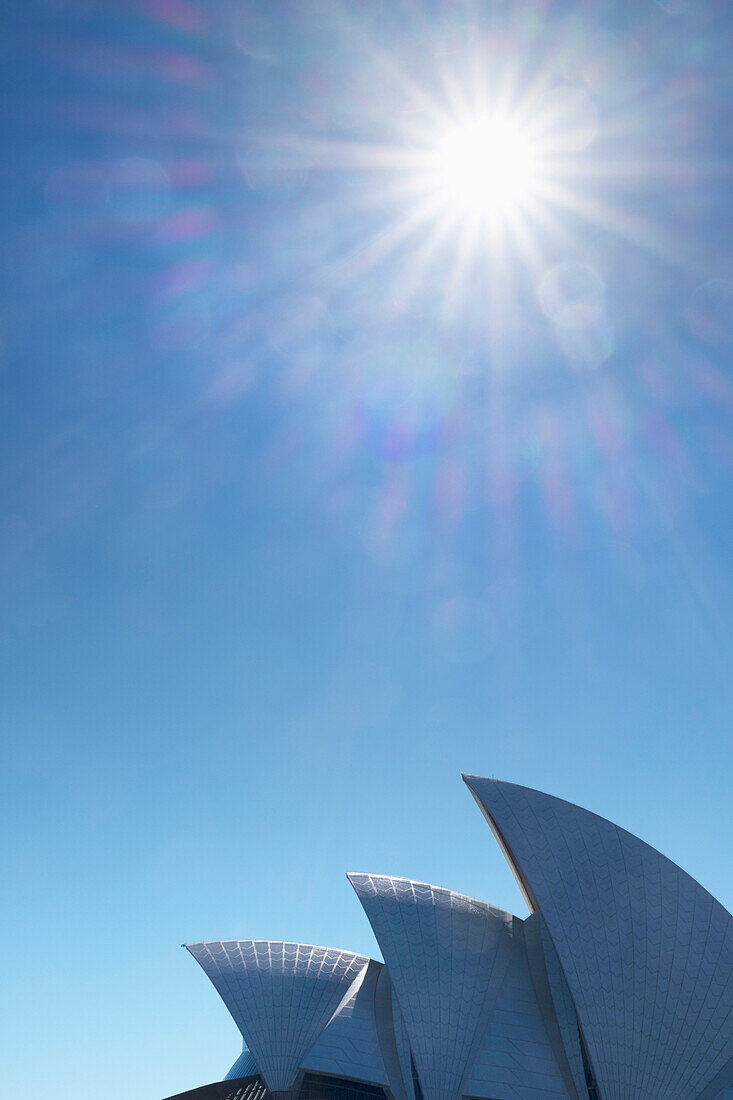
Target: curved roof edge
<point>506,849</point>
<point>277,943</point>
<point>351,875</point>
<point>514,866</point>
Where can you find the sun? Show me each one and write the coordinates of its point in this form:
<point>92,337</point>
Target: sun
<point>481,168</point>
<point>474,177</point>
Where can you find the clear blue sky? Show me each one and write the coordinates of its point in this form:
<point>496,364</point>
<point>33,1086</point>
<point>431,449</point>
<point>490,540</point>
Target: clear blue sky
<point>310,504</point>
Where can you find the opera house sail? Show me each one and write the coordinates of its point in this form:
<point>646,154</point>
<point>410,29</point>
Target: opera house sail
<point>618,986</point>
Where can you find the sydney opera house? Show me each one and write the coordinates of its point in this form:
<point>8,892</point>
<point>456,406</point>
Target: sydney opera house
<point>618,986</point>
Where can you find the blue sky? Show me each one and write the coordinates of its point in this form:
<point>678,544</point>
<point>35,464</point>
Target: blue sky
<point>313,498</point>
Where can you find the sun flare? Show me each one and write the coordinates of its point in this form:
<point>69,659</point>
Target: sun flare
<point>482,168</point>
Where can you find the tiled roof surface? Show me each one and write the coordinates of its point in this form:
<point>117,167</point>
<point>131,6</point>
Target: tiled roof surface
<point>447,955</point>
<point>281,996</point>
<point>647,952</point>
